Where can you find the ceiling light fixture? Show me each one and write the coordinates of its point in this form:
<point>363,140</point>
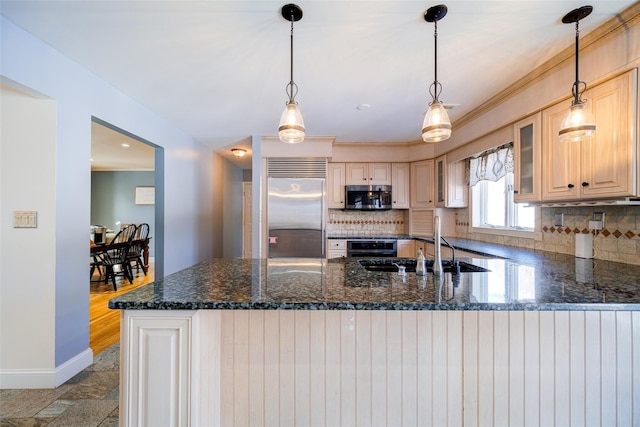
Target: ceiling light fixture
<point>579,122</point>
<point>436,126</point>
<point>238,152</point>
<point>291,129</point>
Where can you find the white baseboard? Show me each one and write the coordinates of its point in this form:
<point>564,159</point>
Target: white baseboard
<point>45,378</point>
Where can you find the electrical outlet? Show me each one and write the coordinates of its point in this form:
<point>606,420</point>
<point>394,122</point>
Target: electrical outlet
<point>558,220</point>
<point>597,223</point>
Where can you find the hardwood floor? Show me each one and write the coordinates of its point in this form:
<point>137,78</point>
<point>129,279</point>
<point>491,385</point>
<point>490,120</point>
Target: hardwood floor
<point>104,324</point>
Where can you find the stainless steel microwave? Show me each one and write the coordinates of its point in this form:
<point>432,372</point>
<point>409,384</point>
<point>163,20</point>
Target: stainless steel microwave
<point>368,197</point>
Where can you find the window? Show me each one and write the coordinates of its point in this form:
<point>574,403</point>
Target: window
<point>493,206</point>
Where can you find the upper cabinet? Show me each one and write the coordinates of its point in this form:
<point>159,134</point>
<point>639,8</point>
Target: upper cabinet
<point>422,184</point>
<point>335,185</point>
<point>451,188</point>
<point>341,174</point>
<point>400,185</point>
<point>601,166</point>
<point>368,174</point>
<point>527,147</point>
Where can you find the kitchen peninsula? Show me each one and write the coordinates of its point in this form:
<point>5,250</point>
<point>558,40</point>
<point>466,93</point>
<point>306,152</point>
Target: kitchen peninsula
<point>539,339</point>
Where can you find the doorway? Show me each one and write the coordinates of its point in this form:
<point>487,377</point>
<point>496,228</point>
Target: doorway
<point>126,188</point>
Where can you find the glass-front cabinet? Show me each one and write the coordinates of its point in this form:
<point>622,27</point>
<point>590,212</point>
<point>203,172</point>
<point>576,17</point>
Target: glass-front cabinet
<point>527,144</point>
<point>451,186</point>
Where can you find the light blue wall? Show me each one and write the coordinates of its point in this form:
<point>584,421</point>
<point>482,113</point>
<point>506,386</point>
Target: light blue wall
<point>191,225</point>
<point>112,200</point>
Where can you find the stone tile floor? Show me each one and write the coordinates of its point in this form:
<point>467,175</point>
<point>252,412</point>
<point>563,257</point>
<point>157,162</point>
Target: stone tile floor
<point>90,399</point>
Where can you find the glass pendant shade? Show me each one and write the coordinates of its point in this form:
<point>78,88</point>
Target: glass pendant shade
<point>436,126</point>
<point>579,123</point>
<point>291,129</point>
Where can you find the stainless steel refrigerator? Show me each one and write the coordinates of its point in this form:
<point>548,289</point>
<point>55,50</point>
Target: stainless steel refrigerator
<point>295,213</point>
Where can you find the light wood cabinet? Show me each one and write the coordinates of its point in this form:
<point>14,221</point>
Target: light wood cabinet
<point>336,248</point>
<point>406,248</point>
<point>451,188</point>
<point>368,174</point>
<point>422,184</point>
<point>600,166</point>
<point>400,185</point>
<point>527,148</point>
<point>428,249</point>
<point>335,185</point>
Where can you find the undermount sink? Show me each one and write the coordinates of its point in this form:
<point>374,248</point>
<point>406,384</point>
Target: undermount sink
<point>389,265</point>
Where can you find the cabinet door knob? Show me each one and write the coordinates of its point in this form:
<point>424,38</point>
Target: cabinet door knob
<point>585,184</point>
<point>570,186</point>
<point>515,191</point>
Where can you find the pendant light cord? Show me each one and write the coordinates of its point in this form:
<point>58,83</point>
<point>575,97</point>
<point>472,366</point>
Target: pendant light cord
<point>292,88</point>
<point>578,86</point>
<point>436,88</point>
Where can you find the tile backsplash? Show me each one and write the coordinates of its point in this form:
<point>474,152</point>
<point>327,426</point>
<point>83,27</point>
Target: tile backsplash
<point>618,241</point>
<point>367,224</point>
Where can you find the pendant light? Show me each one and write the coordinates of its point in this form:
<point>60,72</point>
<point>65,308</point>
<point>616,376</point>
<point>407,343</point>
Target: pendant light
<point>291,129</point>
<point>436,126</point>
<point>579,122</point>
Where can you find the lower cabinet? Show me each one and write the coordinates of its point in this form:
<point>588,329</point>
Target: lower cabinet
<point>336,248</point>
<point>406,248</point>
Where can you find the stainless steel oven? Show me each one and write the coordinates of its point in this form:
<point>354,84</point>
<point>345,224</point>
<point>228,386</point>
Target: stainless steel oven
<point>372,248</point>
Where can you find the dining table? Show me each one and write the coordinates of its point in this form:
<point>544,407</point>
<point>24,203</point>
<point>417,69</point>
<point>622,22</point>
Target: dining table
<point>97,248</point>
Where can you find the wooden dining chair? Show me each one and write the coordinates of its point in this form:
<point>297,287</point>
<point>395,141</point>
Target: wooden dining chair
<point>115,254</point>
<point>137,247</point>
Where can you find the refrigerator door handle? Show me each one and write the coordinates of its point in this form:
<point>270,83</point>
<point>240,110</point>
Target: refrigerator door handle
<point>323,219</point>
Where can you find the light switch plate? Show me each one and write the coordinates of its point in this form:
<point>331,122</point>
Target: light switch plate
<point>25,219</point>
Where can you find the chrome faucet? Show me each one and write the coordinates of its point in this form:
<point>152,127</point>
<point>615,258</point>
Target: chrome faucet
<point>437,262</point>
<point>453,251</point>
<point>438,239</point>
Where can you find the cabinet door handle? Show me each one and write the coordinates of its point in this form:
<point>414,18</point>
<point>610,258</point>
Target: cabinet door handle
<point>585,184</point>
<point>515,191</point>
<point>570,186</point>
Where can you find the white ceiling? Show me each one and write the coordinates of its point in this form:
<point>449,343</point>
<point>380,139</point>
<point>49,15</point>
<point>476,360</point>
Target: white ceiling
<point>112,150</point>
<point>218,69</point>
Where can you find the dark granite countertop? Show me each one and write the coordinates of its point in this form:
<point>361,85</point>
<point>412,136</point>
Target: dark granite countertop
<point>527,280</point>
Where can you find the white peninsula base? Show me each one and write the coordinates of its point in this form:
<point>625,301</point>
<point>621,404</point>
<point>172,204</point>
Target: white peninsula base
<point>457,368</point>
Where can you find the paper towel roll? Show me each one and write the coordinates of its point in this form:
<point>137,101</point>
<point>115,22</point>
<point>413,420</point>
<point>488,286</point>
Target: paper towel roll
<point>584,245</point>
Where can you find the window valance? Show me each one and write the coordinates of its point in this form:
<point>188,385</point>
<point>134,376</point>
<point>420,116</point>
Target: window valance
<point>490,165</point>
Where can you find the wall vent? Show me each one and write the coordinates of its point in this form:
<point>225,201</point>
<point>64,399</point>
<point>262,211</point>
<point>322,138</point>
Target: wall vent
<point>421,223</point>
<point>297,167</point>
